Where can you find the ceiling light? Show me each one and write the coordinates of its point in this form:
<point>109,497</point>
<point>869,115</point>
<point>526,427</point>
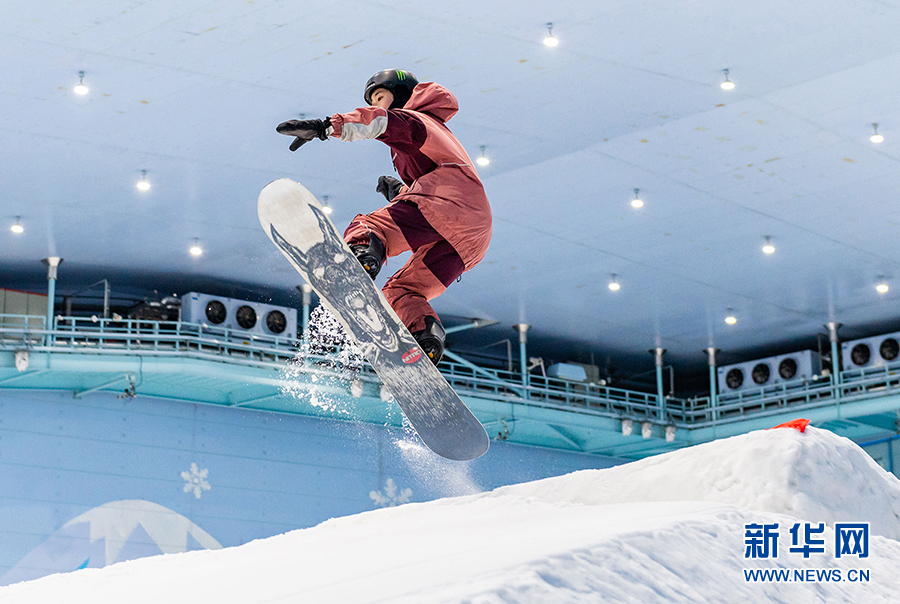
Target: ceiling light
<point>196,250</point>
<point>17,228</point>
<point>876,138</point>
<point>882,287</point>
<point>768,248</point>
<point>727,84</point>
<point>80,88</point>
<point>614,285</point>
<point>482,159</point>
<point>636,202</point>
<point>325,207</point>
<point>731,319</point>
<point>142,184</point>
<point>550,40</point>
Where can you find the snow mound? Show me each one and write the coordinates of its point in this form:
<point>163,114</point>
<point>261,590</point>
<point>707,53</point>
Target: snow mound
<point>663,530</point>
<point>814,474</point>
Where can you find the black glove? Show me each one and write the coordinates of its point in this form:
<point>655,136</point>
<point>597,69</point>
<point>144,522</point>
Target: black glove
<point>389,187</point>
<point>304,130</point>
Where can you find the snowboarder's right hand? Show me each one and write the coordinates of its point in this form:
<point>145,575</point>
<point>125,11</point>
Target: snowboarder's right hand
<point>389,187</point>
<point>305,131</point>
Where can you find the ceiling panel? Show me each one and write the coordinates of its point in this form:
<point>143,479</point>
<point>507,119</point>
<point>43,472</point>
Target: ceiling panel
<point>191,92</point>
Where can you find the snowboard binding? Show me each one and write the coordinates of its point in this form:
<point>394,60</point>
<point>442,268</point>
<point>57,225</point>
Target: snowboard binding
<point>431,339</point>
<point>370,255</point>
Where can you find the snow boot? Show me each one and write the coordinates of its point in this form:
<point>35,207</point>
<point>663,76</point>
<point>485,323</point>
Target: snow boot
<point>431,339</point>
<point>370,255</point>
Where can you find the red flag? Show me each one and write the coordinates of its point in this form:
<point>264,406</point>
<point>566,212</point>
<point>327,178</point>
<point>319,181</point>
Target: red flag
<point>796,424</point>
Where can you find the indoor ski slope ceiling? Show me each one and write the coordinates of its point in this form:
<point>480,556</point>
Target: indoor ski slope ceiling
<point>191,92</point>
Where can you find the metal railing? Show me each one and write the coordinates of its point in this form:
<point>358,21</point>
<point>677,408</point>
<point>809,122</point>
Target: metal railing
<point>22,331</point>
<point>741,404</point>
<point>133,336</point>
<point>83,335</point>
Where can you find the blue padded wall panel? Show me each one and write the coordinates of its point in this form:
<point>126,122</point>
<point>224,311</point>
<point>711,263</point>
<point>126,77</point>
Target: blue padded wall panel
<point>234,474</point>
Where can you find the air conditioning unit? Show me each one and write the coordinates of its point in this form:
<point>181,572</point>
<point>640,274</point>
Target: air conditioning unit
<point>746,376</point>
<point>266,319</point>
<point>770,371</point>
<point>239,315</point>
<point>801,365</point>
<point>871,352</point>
<point>204,309</point>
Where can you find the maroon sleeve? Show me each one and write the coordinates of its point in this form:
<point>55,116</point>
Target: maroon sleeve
<point>405,132</point>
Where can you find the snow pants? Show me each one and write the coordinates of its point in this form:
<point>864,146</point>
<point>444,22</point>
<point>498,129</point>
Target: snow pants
<point>433,266</point>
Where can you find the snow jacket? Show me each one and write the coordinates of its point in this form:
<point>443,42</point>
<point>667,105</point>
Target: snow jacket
<point>431,161</point>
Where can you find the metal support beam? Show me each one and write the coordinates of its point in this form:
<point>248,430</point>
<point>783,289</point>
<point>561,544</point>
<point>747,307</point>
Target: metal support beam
<point>255,400</point>
<point>473,325</point>
<point>566,437</point>
<point>127,376</point>
<point>23,375</point>
<point>479,370</point>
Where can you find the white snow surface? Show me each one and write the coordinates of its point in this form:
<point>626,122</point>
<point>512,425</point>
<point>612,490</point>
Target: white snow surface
<point>664,529</point>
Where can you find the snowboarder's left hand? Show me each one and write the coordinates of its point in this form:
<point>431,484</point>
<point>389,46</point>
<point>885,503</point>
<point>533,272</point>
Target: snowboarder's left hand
<point>389,186</point>
<point>305,130</point>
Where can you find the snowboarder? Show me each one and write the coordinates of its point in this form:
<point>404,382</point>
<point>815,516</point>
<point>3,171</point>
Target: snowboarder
<point>439,211</point>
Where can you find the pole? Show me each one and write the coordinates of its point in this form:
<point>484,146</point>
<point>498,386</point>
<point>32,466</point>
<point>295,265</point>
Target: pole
<point>713,391</point>
<point>835,365</point>
<point>105,298</point>
<point>660,395</point>
<point>522,328</point>
<point>306,290</point>
<point>51,263</point>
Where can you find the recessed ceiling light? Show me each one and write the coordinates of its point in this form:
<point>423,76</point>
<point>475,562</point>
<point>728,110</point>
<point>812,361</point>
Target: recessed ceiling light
<point>876,138</point>
<point>325,207</point>
<point>614,285</point>
<point>882,287</point>
<point>730,319</point>
<point>550,40</point>
<point>17,228</point>
<point>727,84</point>
<point>80,88</point>
<point>196,250</point>
<point>637,202</point>
<point>142,184</point>
<point>768,248</point>
<point>483,159</point>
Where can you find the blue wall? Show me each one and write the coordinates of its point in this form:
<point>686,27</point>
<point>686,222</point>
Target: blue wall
<point>62,457</point>
<point>886,452</point>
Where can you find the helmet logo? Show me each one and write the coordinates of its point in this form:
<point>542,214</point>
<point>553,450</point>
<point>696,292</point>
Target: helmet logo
<point>401,75</point>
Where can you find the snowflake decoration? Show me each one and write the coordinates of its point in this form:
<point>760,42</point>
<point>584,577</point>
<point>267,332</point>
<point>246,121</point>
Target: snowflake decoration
<point>195,480</point>
<point>390,497</point>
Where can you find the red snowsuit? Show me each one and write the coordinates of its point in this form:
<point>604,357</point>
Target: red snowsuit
<point>444,217</point>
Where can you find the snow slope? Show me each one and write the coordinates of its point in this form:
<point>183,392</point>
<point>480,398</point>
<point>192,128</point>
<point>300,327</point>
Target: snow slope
<point>665,529</point>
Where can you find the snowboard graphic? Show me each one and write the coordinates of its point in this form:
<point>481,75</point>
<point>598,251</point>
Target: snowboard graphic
<point>296,224</point>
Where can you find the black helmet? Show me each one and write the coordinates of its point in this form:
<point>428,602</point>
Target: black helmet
<point>400,83</point>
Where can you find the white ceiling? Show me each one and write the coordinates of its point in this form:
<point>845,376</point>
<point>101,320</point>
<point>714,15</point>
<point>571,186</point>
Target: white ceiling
<point>191,91</point>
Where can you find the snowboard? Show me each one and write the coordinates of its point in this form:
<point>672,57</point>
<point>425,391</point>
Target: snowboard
<point>294,221</point>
